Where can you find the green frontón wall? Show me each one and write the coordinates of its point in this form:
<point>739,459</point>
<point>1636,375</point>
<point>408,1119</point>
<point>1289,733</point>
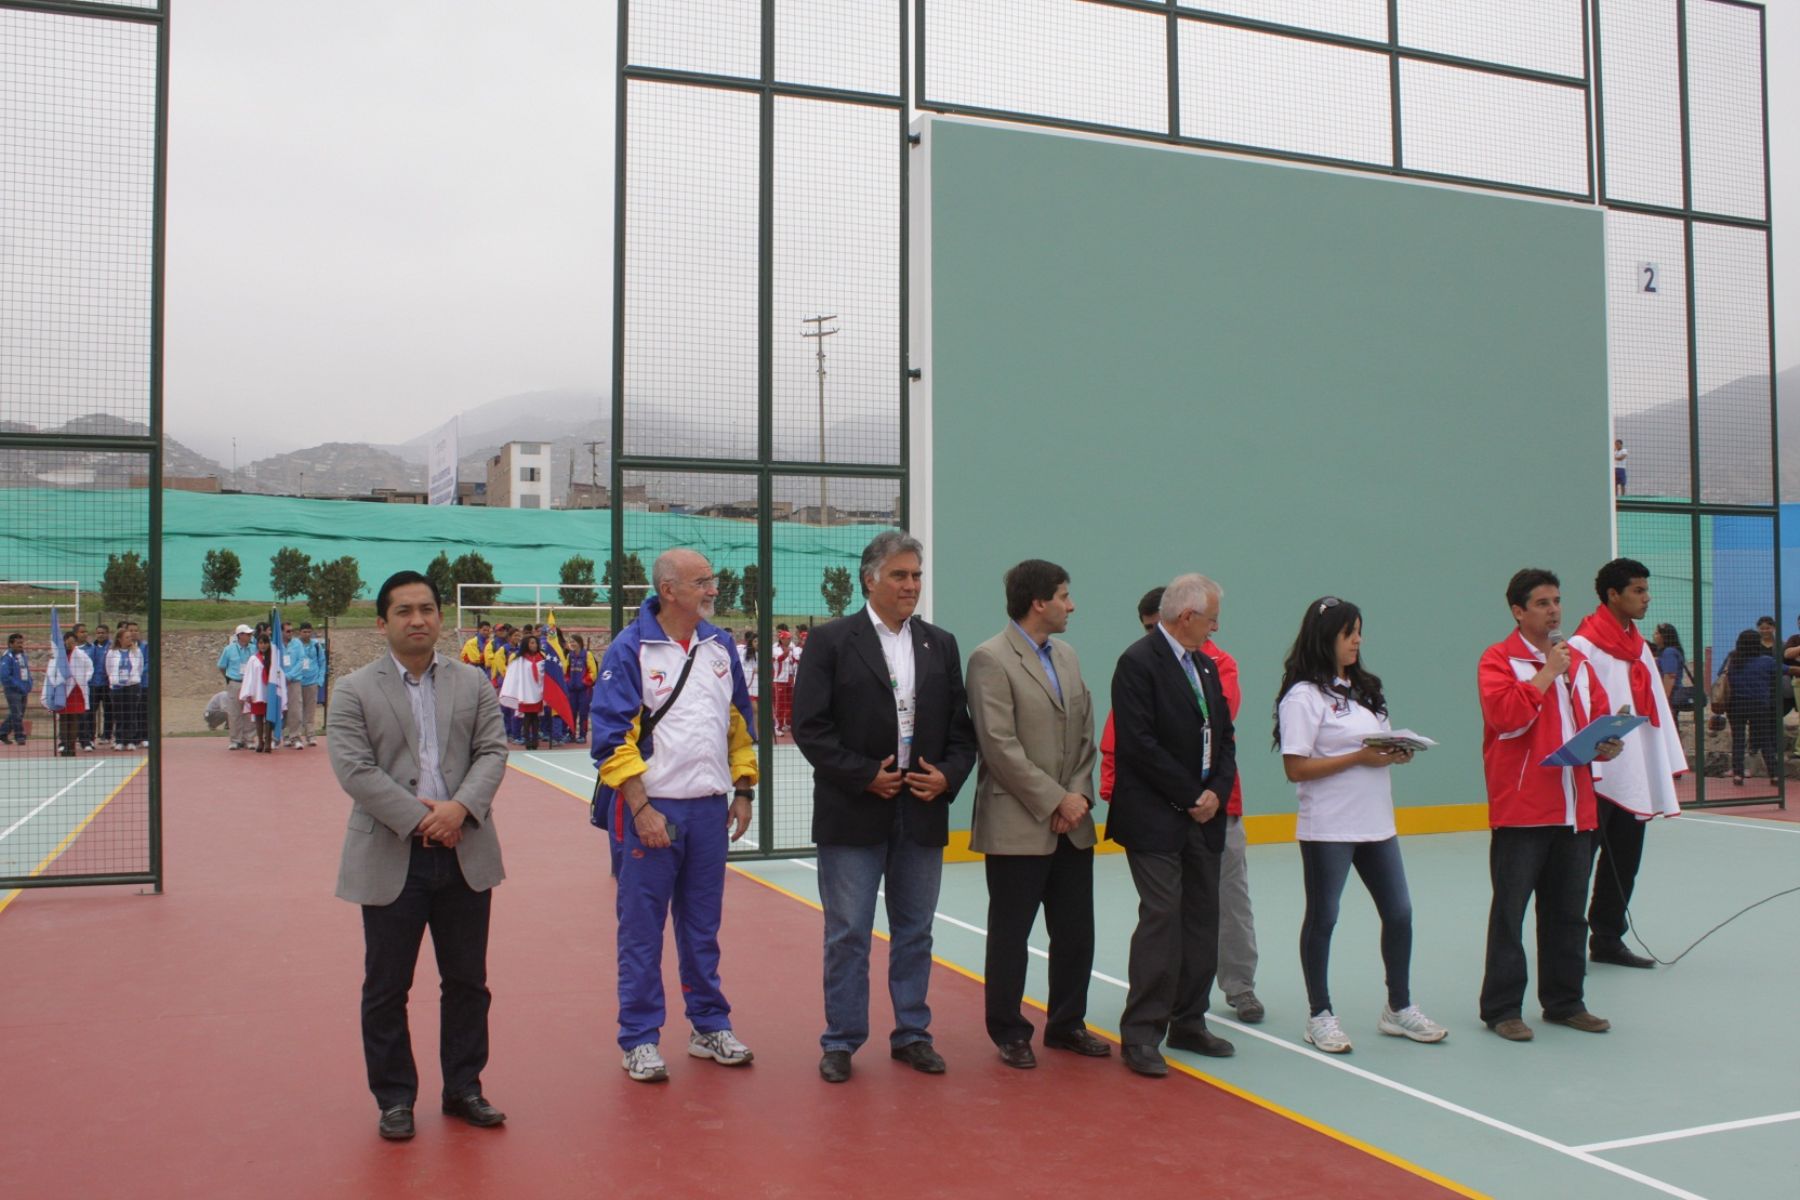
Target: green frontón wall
<point>1301,383</point>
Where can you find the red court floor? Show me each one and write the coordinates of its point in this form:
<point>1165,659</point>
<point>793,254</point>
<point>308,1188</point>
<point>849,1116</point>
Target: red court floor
<point>204,1043</point>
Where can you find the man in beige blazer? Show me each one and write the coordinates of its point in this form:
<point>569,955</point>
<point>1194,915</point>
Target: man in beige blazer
<point>1034,792</point>
<point>417,742</point>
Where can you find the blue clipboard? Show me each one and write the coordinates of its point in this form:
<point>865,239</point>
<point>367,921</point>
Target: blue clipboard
<point>1584,747</point>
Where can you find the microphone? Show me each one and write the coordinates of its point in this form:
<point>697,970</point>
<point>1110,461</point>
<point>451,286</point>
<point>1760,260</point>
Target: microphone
<point>1557,637</point>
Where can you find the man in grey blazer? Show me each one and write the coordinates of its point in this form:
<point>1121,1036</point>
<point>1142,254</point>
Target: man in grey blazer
<point>416,740</point>
<point>1034,793</point>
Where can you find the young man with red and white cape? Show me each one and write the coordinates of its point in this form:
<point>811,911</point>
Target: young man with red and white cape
<point>1536,694</point>
<point>1640,783</point>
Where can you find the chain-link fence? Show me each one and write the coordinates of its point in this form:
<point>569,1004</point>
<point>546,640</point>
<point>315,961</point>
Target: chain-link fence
<point>761,286</point>
<point>82,141</point>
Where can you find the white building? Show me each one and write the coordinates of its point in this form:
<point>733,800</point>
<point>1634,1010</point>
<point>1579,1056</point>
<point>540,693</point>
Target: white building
<point>519,476</point>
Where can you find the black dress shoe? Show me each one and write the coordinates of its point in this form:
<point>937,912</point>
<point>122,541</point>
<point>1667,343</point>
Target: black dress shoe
<point>396,1123</point>
<point>1144,1060</point>
<point>1018,1054</point>
<point>1619,956</point>
<point>920,1057</point>
<point>835,1066</point>
<point>1202,1041</point>
<point>1081,1041</point>
<point>475,1110</point>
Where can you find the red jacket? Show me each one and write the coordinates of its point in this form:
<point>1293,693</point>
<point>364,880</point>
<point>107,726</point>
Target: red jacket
<point>1228,683</point>
<point>1521,726</point>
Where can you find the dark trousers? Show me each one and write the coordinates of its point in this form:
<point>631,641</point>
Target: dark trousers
<point>1175,947</point>
<point>1620,839</point>
<point>14,724</point>
<point>1550,862</point>
<point>1063,883</point>
<point>1758,729</point>
<point>125,715</point>
<point>103,721</point>
<point>1325,867</point>
<point>435,895</point>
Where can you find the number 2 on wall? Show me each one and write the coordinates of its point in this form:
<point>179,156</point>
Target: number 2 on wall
<point>1648,274</point>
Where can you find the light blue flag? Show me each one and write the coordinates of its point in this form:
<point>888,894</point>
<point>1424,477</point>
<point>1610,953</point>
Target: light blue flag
<point>56,680</point>
<point>276,691</point>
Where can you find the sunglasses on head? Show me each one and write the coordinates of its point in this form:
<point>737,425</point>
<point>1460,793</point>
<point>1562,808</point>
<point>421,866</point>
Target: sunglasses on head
<point>1328,602</point>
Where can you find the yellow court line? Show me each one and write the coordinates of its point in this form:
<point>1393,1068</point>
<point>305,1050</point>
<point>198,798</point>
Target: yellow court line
<point>74,833</point>
<point>1280,1110</point>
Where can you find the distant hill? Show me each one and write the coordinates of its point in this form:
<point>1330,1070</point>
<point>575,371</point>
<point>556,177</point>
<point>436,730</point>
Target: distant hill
<point>81,469</point>
<point>1734,463</point>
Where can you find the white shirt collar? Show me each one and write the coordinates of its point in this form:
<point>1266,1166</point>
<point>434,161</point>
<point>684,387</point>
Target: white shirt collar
<point>1181,651</point>
<point>881,627</point>
<point>407,676</point>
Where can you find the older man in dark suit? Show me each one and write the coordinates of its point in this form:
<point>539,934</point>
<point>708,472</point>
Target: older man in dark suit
<point>1175,763</point>
<point>416,741</point>
<point>881,714</point>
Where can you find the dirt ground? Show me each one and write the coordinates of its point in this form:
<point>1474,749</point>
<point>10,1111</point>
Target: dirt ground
<point>188,670</point>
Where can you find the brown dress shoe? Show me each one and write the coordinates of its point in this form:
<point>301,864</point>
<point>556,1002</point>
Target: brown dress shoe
<point>1018,1054</point>
<point>1584,1020</point>
<point>1513,1030</point>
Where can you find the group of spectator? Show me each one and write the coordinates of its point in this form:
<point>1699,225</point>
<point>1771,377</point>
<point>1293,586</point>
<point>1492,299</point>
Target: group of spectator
<point>103,703</point>
<point>1747,696</point>
<point>529,665</point>
<point>249,666</point>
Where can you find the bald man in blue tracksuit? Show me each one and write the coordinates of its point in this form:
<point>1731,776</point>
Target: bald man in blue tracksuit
<point>664,802</point>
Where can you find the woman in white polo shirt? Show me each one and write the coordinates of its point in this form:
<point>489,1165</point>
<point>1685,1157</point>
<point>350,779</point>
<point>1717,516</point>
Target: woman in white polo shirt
<point>1328,704</point>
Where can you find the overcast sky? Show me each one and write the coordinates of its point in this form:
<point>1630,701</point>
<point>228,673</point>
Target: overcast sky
<point>381,214</point>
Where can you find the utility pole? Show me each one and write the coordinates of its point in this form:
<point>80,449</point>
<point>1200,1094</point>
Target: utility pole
<point>593,449</point>
<point>819,333</point>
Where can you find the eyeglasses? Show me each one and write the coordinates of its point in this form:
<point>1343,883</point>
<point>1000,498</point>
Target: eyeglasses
<point>1328,602</point>
<point>704,582</point>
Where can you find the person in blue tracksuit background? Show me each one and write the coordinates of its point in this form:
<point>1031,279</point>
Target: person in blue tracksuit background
<point>664,802</point>
<point>15,681</point>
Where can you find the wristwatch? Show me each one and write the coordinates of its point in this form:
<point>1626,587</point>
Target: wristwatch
<point>745,793</point>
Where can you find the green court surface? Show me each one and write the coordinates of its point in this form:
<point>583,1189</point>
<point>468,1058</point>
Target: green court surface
<point>1624,1114</point>
<point>46,801</point>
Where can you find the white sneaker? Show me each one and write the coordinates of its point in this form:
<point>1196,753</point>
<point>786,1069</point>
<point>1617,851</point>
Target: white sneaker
<point>1324,1032</point>
<point>645,1064</point>
<point>1409,1022</point>
<point>721,1046</point>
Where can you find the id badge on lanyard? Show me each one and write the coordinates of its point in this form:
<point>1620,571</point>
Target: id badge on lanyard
<point>908,715</point>
<point>1206,749</point>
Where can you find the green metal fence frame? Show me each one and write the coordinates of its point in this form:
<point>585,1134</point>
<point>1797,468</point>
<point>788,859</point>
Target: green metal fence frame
<point>150,445</point>
<point>765,467</point>
<point>914,70</point>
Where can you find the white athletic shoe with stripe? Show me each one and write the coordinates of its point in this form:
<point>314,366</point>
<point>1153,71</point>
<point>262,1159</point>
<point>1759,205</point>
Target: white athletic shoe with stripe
<point>721,1046</point>
<point>1409,1022</point>
<point>1324,1032</point>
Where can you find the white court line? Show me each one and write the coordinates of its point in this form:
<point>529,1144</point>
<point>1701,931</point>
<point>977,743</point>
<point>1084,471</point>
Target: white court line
<point>1674,1134</point>
<point>1761,823</point>
<point>10,829</point>
<point>581,775</point>
<point>1578,1153</point>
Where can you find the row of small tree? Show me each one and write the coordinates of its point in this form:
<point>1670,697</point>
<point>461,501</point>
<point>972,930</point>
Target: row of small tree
<point>330,587</point>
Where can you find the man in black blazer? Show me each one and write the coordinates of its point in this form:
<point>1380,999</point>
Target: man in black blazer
<point>881,714</point>
<point>1174,761</point>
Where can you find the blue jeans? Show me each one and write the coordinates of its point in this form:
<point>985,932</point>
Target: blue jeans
<point>849,877</point>
<point>15,714</point>
<point>1326,865</point>
<point>687,879</point>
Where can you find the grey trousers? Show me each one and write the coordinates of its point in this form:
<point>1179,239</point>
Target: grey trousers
<point>1175,947</point>
<point>242,725</point>
<point>1237,925</point>
<point>302,702</point>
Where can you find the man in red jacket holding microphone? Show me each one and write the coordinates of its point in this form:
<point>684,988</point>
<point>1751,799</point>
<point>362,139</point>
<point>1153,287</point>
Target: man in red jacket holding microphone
<point>1537,692</point>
